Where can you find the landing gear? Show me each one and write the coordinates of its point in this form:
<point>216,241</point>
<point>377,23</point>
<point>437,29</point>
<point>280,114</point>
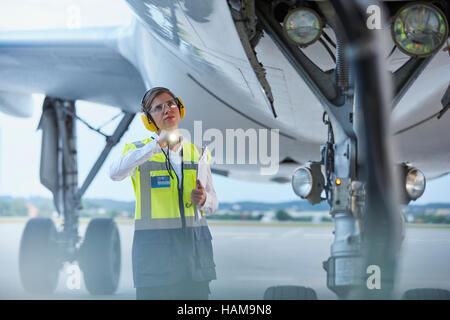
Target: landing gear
<point>100,256</point>
<point>356,159</point>
<point>43,249</point>
<point>290,293</point>
<point>38,257</point>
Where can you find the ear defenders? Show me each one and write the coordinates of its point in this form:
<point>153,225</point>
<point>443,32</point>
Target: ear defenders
<point>150,124</point>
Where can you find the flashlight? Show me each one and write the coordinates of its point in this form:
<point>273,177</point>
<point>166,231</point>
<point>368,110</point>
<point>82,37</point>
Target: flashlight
<point>172,137</point>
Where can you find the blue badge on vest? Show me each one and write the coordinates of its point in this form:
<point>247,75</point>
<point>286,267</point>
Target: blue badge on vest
<point>160,182</point>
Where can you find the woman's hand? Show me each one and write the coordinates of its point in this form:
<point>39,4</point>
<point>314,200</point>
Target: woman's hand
<point>162,139</point>
<point>198,196</point>
<point>170,138</point>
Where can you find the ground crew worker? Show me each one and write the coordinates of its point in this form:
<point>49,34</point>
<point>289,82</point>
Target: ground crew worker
<point>172,253</point>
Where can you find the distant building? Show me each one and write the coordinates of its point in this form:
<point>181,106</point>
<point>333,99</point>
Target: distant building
<point>442,212</point>
<point>268,216</point>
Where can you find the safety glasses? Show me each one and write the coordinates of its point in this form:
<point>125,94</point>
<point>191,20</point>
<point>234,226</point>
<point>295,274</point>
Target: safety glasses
<point>172,103</point>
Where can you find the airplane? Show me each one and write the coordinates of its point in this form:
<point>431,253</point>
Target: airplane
<point>357,89</point>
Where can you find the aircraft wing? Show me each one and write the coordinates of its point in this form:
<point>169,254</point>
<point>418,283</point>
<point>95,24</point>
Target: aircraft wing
<point>84,64</point>
<point>100,65</point>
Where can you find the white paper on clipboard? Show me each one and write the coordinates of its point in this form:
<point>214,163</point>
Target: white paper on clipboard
<point>201,175</point>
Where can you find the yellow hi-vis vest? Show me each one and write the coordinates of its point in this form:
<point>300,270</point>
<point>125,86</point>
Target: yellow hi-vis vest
<point>160,202</point>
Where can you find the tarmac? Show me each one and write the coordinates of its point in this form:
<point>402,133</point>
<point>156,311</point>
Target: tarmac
<point>249,257</point>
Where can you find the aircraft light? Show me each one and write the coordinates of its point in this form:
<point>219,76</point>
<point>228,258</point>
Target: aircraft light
<point>415,183</point>
<point>302,26</point>
<point>302,182</point>
<point>419,29</point>
<point>412,183</point>
<point>308,182</point>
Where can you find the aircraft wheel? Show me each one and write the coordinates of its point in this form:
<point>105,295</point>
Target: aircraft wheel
<point>426,294</point>
<point>100,256</point>
<point>289,293</point>
<point>38,256</point>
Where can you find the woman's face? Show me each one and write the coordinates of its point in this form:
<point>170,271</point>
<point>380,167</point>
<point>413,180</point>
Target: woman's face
<point>168,118</point>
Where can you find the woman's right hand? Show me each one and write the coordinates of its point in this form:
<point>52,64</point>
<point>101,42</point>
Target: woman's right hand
<point>162,139</point>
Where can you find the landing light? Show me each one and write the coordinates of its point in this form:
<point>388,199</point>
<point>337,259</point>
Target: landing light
<point>308,182</point>
<point>302,182</point>
<point>413,183</point>
<point>419,29</point>
<point>302,26</point>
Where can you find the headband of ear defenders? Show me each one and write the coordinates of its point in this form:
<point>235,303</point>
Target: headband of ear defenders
<point>150,124</point>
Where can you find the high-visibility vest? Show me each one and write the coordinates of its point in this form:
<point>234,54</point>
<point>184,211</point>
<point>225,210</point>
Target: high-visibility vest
<point>171,237</point>
<point>160,202</point>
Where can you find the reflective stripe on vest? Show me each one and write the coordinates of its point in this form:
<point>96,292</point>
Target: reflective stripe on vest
<point>160,206</point>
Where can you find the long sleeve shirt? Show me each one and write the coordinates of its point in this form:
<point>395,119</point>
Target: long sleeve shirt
<point>127,164</point>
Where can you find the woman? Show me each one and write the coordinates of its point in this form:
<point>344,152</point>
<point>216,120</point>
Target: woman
<point>172,252</point>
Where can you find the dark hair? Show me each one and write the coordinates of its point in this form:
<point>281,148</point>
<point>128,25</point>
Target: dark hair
<point>152,94</point>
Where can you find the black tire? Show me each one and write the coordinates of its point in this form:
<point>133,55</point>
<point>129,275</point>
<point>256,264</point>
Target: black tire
<point>289,293</point>
<point>100,256</point>
<point>38,256</point>
<point>426,294</point>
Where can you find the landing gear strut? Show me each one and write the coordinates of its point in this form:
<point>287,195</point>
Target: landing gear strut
<point>43,249</point>
<point>357,158</point>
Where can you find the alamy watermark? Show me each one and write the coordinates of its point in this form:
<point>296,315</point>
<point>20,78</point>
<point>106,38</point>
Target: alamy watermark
<point>73,20</point>
<point>374,19</point>
<point>73,281</point>
<point>251,146</point>
<point>374,280</point>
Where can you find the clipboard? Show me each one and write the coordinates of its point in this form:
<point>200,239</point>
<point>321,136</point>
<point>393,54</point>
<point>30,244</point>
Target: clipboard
<point>201,175</point>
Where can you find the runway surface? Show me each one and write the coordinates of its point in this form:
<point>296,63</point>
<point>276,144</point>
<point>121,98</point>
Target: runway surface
<point>249,259</point>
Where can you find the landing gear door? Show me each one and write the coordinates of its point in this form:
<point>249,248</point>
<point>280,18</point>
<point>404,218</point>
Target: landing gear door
<point>49,151</point>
